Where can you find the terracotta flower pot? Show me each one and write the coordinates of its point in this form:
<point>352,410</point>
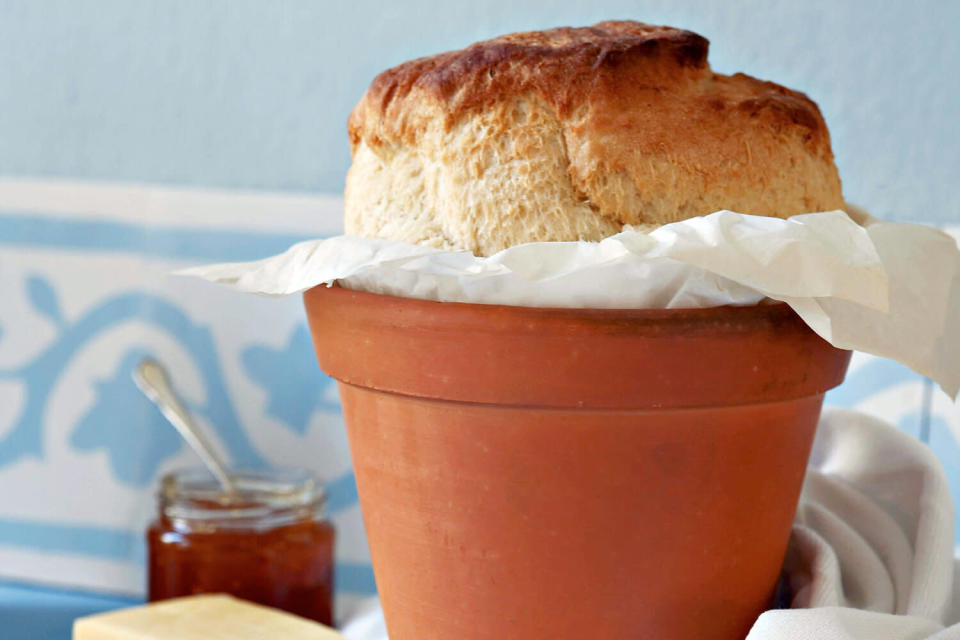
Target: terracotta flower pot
<point>573,474</point>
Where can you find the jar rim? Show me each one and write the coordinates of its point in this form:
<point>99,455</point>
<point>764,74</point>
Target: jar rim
<point>263,498</point>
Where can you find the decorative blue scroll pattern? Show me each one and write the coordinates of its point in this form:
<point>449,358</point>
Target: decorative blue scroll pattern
<point>40,375</point>
<point>128,426</point>
<point>294,384</point>
<point>123,424</point>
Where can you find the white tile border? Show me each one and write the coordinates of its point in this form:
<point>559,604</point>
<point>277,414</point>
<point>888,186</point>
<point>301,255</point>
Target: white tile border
<point>73,572</point>
<point>275,212</point>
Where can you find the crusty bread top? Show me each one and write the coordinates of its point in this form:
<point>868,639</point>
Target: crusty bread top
<point>570,134</point>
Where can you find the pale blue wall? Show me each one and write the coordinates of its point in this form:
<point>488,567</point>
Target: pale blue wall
<point>256,94</point>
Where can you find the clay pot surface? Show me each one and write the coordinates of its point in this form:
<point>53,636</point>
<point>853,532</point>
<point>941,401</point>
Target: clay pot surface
<point>568,473</point>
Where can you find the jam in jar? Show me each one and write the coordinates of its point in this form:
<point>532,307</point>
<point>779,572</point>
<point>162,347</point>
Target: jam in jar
<point>267,542</point>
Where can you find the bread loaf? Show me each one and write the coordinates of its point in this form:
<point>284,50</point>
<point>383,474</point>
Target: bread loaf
<point>572,133</point>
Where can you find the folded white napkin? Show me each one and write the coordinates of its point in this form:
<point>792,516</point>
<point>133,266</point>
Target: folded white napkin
<point>872,550</point>
<point>871,557</point>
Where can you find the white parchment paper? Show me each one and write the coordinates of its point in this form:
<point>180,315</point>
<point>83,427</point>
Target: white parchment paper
<point>889,289</point>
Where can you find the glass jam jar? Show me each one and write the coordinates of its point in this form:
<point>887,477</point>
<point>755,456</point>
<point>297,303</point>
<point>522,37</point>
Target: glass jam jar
<point>266,543</point>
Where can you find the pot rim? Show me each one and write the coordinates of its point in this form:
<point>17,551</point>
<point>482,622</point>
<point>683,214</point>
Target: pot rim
<point>570,357</point>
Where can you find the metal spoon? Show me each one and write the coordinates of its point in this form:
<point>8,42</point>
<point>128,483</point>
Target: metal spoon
<point>152,379</point>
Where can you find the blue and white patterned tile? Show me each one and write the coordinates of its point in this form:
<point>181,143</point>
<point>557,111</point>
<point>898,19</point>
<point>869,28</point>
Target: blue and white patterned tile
<point>885,389</point>
<point>943,427</point>
<point>88,294</point>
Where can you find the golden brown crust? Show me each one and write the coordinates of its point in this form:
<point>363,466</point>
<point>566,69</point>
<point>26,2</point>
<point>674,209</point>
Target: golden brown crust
<point>560,66</point>
<point>647,132</point>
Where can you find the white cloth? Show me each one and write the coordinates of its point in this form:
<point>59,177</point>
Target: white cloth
<point>872,550</point>
<point>871,557</point>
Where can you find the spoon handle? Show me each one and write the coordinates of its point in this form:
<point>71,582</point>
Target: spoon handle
<point>152,379</point>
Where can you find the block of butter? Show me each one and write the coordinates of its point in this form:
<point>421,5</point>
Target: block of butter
<point>202,617</point>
